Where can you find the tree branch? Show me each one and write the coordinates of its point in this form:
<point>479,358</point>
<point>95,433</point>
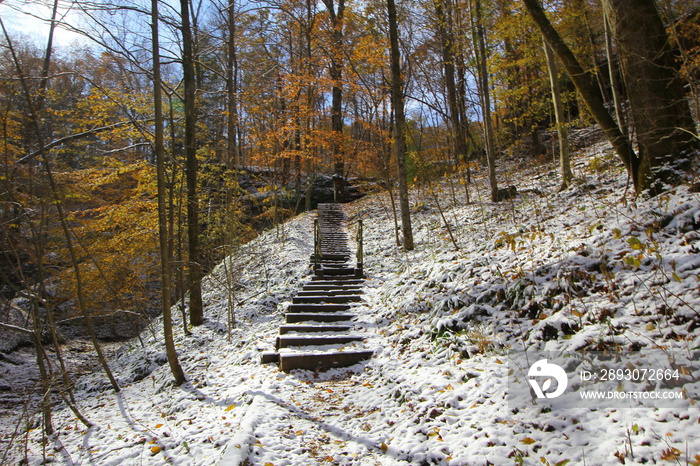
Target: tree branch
<point>75,136</point>
<point>16,328</point>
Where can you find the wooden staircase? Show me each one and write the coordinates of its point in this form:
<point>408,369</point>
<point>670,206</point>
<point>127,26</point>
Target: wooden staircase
<point>319,322</point>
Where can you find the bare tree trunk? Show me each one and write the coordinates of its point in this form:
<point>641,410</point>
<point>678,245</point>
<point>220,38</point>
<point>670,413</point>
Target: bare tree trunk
<point>45,382</point>
<point>175,233</point>
<point>337,17</point>
<point>485,94</point>
<point>47,58</point>
<point>442,215</point>
<point>659,109</point>
<point>443,11</point>
<point>587,86</point>
<point>562,131</point>
<point>400,127</point>
<point>189,81</point>
<point>462,103</point>
<point>232,88</point>
<point>165,256</point>
<point>614,79</point>
<point>390,189</point>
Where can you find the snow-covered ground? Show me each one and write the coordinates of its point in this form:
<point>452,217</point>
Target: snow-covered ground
<point>587,269</point>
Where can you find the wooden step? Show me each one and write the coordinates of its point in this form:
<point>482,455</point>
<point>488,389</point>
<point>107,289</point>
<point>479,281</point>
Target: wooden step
<point>328,265</point>
<point>330,291</point>
<point>342,299</point>
<point>285,341</point>
<point>321,317</point>
<point>307,308</point>
<point>269,356</point>
<point>332,257</point>
<point>321,276</point>
<point>340,271</point>
<point>312,328</point>
<point>336,281</point>
<point>333,265</point>
<point>317,286</point>
<point>322,361</point>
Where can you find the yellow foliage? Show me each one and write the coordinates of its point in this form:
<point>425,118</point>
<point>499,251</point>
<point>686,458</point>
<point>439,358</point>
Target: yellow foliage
<point>115,221</point>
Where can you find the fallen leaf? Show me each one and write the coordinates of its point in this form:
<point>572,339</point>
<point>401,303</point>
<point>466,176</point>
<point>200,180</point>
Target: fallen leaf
<point>158,426</point>
<point>155,450</point>
<point>672,454</point>
<point>528,440</point>
<point>384,447</point>
<point>635,243</point>
<point>231,406</point>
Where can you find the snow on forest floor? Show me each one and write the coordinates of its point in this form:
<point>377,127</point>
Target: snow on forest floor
<point>589,268</point>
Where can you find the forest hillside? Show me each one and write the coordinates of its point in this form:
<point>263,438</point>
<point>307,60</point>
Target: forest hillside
<point>527,176</point>
<point>590,268</point>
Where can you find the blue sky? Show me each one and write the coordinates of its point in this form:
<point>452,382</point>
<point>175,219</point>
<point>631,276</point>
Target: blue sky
<point>21,17</point>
